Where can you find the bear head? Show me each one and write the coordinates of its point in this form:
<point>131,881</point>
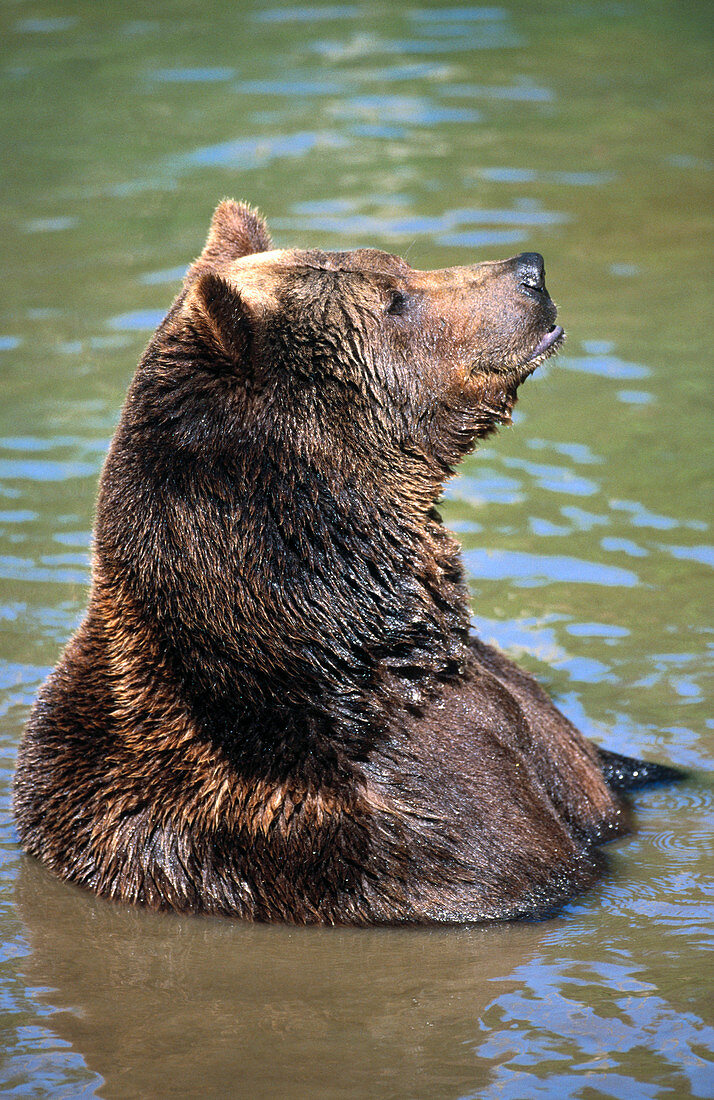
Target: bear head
<point>361,354</point>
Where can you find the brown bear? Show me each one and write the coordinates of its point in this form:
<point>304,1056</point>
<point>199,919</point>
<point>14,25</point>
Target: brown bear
<point>274,708</point>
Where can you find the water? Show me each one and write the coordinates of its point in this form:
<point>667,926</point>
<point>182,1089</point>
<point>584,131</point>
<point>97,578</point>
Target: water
<point>450,134</point>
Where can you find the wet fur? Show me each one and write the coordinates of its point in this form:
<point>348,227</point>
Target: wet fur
<point>274,708</point>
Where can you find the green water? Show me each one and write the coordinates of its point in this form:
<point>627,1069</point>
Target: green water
<point>451,134</point>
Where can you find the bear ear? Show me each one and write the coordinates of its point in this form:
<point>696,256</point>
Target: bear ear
<point>221,316</point>
<point>236,230</point>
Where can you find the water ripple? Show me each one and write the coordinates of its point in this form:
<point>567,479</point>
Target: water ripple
<point>306,14</point>
<point>28,469</point>
<point>530,175</point>
<point>15,675</point>
<point>191,76</point>
<point>703,555</point>
<point>597,630</point>
<point>257,152</point>
<point>582,520</point>
<point>579,452</point>
<point>244,153</point>
<point>689,798</point>
<point>642,517</point>
<point>686,847</point>
<point>534,570</point>
<point>45,26</point>
<point>414,110</point>
<point>635,397</point>
<point>166,275</point>
<point>451,228</point>
<point>138,320</point>
<point>73,538</point>
<point>624,546</point>
<point>457,15</point>
<point>49,225</point>
<point>24,569</point>
<point>545,1021</point>
<point>292,85</point>
<point>609,366</point>
<point>56,442</point>
<point>456,39</point>
<point>22,515</point>
<point>490,487</point>
<point>523,91</point>
<point>556,479</point>
<point>545,529</point>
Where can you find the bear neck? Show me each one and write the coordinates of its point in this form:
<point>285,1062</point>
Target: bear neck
<point>366,602</point>
<point>284,598</point>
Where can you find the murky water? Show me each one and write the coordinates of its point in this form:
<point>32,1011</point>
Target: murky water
<point>449,134</point>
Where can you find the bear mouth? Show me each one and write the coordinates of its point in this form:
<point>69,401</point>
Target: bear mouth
<point>546,346</point>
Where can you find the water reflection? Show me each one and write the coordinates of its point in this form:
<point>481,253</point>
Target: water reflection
<point>461,1011</point>
<point>397,1008</point>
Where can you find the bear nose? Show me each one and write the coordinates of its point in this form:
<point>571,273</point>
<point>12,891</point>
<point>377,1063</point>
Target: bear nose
<point>530,270</point>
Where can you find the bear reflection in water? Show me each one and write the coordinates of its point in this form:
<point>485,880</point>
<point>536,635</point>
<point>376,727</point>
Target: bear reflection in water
<point>274,708</point>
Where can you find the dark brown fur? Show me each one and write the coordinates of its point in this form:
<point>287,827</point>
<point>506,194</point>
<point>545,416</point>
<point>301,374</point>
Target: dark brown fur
<point>274,708</point>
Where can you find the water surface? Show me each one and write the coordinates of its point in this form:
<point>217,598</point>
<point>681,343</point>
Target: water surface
<point>448,134</point>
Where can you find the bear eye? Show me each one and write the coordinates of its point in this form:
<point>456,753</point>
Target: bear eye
<point>398,303</point>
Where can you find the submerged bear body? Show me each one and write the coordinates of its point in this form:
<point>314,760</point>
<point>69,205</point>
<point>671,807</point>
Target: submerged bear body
<point>274,708</point>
